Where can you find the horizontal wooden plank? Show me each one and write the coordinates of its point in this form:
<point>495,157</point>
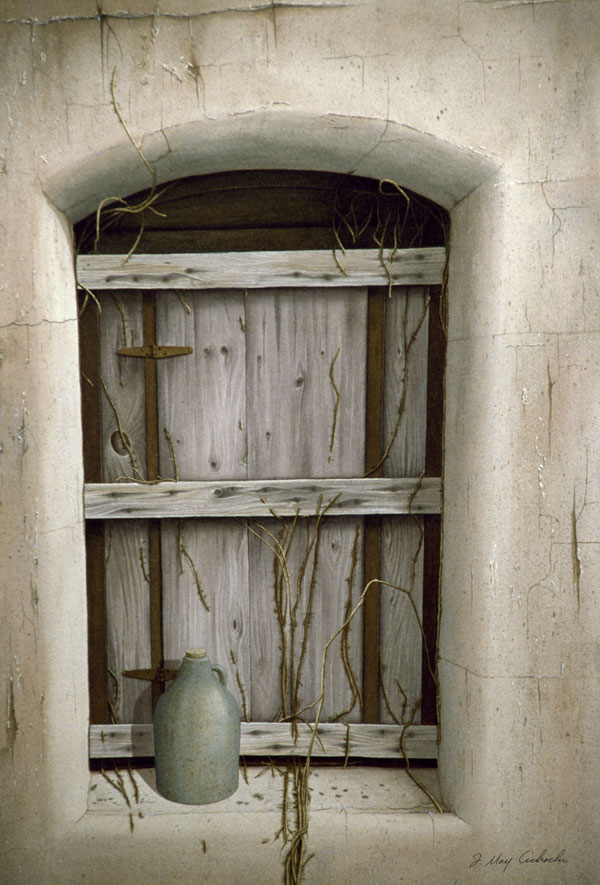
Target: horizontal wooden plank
<point>275,739</point>
<point>260,497</point>
<point>256,270</point>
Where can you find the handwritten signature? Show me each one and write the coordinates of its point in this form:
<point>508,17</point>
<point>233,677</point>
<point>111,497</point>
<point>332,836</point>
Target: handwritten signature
<point>528,856</point>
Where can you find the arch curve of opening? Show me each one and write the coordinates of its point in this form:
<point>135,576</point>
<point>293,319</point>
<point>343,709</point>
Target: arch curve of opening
<point>375,148</point>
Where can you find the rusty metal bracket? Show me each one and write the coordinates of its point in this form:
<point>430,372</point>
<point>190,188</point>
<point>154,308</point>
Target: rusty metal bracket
<point>154,351</point>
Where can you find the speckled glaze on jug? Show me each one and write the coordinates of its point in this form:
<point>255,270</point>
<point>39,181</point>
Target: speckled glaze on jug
<point>197,734</point>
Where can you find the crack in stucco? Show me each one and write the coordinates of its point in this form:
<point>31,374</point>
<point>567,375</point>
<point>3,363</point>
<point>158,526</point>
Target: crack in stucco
<point>154,17</point>
<point>576,561</point>
<point>551,384</point>
<point>12,726</point>
<point>459,36</point>
<point>470,672</point>
<point>509,4</point>
<point>537,585</point>
<point>360,58</point>
<point>43,322</point>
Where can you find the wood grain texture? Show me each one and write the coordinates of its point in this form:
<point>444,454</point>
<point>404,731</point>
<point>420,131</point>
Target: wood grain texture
<point>377,303</point>
<point>202,405</point>
<point>322,561</point>
<point>275,390</point>
<point>404,312</point>
<point>217,550</point>
<point>401,640</point>
<point>361,267</point>
<point>274,739</point>
<point>128,617</point>
<point>127,601</point>
<point>122,406</point>
<point>202,396</point>
<point>306,387</point>
<point>405,387</point>
<point>252,210</point>
<point>253,498</point>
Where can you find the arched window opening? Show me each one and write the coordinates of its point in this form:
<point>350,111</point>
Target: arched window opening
<point>302,415</point>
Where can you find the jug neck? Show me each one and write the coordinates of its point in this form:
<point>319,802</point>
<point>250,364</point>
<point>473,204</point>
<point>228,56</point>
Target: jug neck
<point>195,661</point>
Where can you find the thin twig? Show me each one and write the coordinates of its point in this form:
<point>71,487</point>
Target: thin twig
<point>336,406</point>
<point>123,435</point>
<point>169,439</point>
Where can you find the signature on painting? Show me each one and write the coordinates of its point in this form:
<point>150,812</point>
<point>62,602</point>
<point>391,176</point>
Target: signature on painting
<point>529,856</point>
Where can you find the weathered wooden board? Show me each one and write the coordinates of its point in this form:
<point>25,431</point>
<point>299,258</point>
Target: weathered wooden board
<point>309,572</point>
<point>306,387</point>
<point>128,619</point>
<point>405,389</point>
<point>202,406</point>
<point>334,599</point>
<point>361,267</point>
<point>275,739</point>
<point>212,554</point>
<point>123,445</point>
<point>252,498</point>
<point>266,416</point>
<point>122,381</point>
<point>306,355</point>
<point>405,383</point>
<point>400,635</point>
<point>202,396</point>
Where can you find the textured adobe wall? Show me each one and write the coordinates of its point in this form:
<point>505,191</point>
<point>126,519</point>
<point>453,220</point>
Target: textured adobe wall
<point>487,107</point>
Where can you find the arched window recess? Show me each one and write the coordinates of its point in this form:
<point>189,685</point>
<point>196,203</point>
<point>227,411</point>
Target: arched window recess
<point>262,402</point>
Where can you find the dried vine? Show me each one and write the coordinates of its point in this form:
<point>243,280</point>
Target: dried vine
<point>183,553</point>
<point>132,802</point>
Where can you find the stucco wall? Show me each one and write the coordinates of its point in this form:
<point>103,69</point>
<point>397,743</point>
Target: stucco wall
<point>488,107</point>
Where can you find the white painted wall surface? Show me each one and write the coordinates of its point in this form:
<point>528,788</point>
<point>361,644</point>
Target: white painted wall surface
<point>488,107</point>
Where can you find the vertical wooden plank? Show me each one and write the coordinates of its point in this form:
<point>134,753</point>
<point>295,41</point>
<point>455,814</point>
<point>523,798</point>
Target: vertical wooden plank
<point>202,405</point>
<point>123,412</point>
<point>122,384</point>
<point>322,613</point>
<point>406,389</point>
<point>373,452</point>
<point>306,404</point>
<point>401,551</point>
<point>306,393</point>
<point>202,400</point>
<point>214,555</point>
<point>329,611</point>
<point>266,645</point>
<point>128,614</point>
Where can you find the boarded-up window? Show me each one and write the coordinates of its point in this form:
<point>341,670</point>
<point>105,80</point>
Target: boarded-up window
<point>262,455</point>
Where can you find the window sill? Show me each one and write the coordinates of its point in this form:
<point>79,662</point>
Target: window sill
<point>357,790</point>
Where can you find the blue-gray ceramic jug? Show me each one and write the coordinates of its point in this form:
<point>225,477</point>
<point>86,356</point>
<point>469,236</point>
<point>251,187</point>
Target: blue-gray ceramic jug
<point>197,734</point>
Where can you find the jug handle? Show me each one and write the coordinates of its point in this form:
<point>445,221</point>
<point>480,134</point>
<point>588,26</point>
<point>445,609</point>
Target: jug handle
<point>221,673</point>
